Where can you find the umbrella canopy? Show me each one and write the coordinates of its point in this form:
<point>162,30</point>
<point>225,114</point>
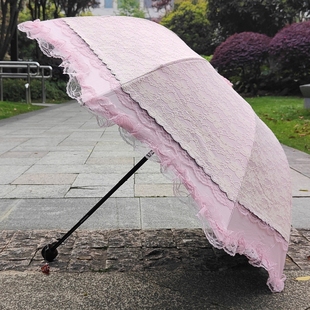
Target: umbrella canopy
<point>139,75</point>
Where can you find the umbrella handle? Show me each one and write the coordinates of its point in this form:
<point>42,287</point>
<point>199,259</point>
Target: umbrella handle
<point>49,252</point>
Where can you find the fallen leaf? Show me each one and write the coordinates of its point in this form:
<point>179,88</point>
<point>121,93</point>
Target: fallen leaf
<point>45,269</point>
<point>303,190</point>
<point>306,278</point>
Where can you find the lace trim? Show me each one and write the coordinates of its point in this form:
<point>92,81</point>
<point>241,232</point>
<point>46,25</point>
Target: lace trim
<point>269,252</point>
<point>243,157</point>
<point>141,126</point>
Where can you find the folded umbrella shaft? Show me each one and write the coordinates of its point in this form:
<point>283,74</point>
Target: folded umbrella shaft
<point>49,251</point>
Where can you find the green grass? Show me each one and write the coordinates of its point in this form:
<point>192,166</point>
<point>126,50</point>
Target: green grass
<point>287,118</point>
<point>9,109</point>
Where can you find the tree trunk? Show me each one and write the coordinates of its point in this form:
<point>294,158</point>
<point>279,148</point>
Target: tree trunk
<point>14,46</point>
<point>9,17</point>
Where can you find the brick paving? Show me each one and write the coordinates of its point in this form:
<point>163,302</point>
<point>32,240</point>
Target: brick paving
<point>132,250</point>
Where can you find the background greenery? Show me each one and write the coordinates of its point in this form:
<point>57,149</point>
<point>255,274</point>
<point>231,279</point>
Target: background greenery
<point>204,25</point>
<point>257,63</point>
<point>9,109</point>
<point>287,119</point>
<point>188,20</point>
<point>14,90</point>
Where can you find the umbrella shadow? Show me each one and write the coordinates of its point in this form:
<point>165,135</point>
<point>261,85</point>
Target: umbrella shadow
<point>235,285</point>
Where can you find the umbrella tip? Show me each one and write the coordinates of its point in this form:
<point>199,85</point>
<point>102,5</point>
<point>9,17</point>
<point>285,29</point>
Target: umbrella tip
<point>49,253</point>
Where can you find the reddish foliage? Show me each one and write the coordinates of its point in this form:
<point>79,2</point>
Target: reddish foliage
<point>291,46</point>
<point>240,50</point>
<point>256,62</point>
<point>161,4</point>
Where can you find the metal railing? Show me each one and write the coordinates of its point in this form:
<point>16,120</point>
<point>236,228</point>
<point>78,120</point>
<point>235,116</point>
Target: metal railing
<point>25,70</point>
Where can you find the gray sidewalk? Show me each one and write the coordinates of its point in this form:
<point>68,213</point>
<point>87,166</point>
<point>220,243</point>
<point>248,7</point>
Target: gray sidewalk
<point>143,249</point>
<point>62,155</point>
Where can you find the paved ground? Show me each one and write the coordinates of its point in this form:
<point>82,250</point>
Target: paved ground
<point>143,269</point>
<point>60,154</point>
<point>143,249</point>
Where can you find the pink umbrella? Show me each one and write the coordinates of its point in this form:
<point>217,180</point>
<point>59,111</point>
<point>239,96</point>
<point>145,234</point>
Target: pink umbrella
<point>137,74</point>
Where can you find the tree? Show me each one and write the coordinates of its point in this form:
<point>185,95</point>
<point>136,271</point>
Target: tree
<point>266,17</point>
<point>188,20</point>
<point>130,8</point>
<point>41,9</point>
<point>9,16</point>
<point>37,9</point>
<point>298,11</point>
<point>73,8</point>
<point>47,9</point>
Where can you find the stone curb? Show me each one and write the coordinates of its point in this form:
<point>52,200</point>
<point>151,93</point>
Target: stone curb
<point>132,250</point>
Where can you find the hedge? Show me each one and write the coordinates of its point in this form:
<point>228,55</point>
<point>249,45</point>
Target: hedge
<point>240,59</point>
<point>256,62</point>
<point>14,90</point>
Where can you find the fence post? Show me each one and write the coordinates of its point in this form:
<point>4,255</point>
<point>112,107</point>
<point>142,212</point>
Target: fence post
<point>305,90</point>
<point>31,70</point>
<point>27,86</point>
<point>28,82</point>
<point>1,85</point>
<point>43,86</point>
<point>1,89</point>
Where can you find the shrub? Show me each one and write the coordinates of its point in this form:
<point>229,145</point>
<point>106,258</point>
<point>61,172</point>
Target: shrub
<point>241,58</point>
<point>14,90</point>
<point>188,21</point>
<point>289,53</point>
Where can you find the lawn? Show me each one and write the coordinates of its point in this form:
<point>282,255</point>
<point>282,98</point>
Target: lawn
<point>287,118</point>
<point>9,109</point>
